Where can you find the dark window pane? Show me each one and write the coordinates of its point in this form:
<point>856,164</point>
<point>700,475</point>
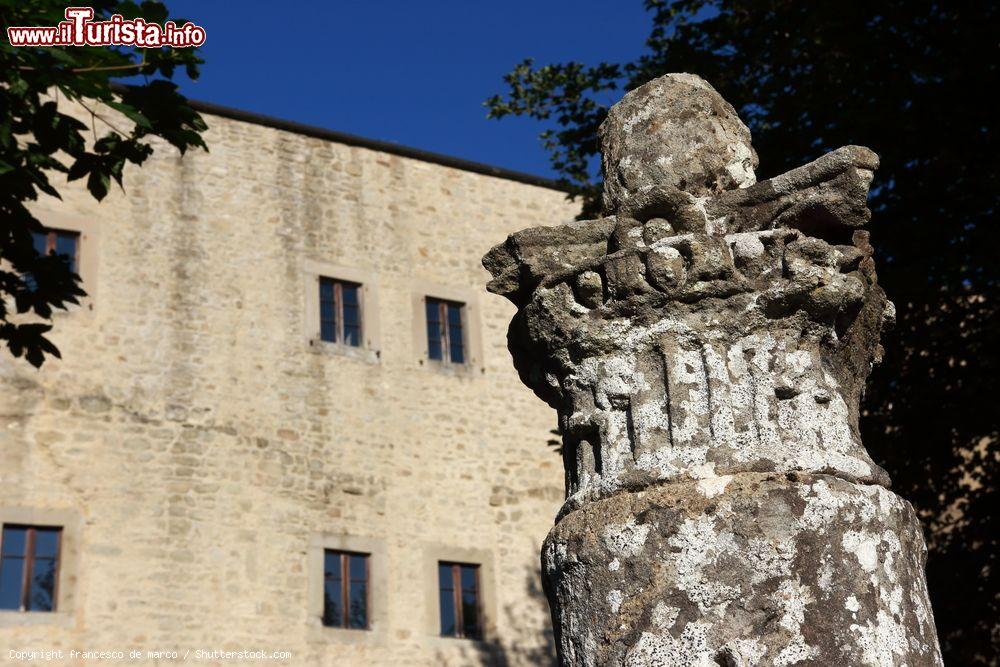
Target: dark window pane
<point>456,347</point>
<point>326,290</point>
<point>328,331</point>
<point>456,350</point>
<point>352,337</point>
<point>469,577</point>
<point>46,542</point>
<point>351,612</point>
<point>331,565</point>
<point>352,314</point>
<point>326,310</point>
<point>442,314</point>
<point>352,322</point>
<point>357,567</point>
<point>43,584</point>
<point>350,292</point>
<point>470,614</point>
<point>332,613</point>
<point>455,314</point>
<point>434,350</point>
<point>11,577</point>
<point>433,314</point>
<point>433,345</point>
<point>66,247</point>
<point>13,540</point>
<point>444,576</point>
<point>358,602</point>
<point>340,301</point>
<point>448,628</point>
<point>39,240</point>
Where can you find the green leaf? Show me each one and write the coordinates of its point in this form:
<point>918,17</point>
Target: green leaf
<point>132,113</point>
<point>80,168</point>
<point>98,183</point>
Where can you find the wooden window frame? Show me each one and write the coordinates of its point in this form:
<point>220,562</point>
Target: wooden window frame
<point>444,333</point>
<point>28,569</point>
<point>345,588</point>
<point>456,591</point>
<point>338,310</point>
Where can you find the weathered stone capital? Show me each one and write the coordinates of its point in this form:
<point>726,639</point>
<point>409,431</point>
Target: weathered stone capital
<point>692,336</point>
<point>706,345</point>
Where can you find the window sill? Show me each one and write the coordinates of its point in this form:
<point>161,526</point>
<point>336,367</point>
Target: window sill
<point>320,633</point>
<point>86,306</point>
<point>324,347</point>
<point>448,644</point>
<point>467,370</point>
<point>10,618</point>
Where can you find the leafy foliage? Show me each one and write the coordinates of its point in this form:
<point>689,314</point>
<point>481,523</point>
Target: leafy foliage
<point>38,140</point>
<point>907,78</point>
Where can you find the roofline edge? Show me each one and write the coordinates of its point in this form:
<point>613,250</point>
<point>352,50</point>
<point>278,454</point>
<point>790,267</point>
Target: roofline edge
<point>375,144</point>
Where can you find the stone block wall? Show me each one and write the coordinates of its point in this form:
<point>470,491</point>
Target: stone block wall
<point>201,446</point>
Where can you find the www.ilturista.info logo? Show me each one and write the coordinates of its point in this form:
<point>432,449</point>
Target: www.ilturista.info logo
<point>80,30</point>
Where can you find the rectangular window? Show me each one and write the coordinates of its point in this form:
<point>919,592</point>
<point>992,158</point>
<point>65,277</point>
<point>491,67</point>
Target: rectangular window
<point>345,590</point>
<point>29,567</point>
<point>60,242</point>
<point>445,335</point>
<point>460,604</point>
<point>340,312</point>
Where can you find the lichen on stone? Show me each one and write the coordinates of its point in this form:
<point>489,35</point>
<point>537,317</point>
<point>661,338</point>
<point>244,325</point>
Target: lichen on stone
<point>705,343</point>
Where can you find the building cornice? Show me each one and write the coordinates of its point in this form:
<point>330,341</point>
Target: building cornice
<point>374,144</point>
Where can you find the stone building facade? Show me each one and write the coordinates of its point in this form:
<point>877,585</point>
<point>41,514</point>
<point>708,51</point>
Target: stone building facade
<point>200,447</point>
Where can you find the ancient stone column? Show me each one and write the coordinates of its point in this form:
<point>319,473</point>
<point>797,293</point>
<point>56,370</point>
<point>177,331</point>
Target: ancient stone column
<point>706,345</point>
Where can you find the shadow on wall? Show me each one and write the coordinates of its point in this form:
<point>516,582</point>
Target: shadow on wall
<point>509,652</point>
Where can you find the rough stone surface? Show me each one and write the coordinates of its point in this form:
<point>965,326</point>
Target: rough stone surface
<point>753,569</point>
<point>678,131</point>
<point>721,508</point>
<point>203,440</point>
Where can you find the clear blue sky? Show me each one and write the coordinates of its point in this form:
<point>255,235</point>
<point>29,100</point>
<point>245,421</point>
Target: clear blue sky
<point>412,72</point>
